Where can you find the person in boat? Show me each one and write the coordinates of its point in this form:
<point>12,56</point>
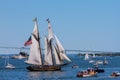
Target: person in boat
<point>91,71</point>
<point>113,74</point>
<point>84,73</point>
<point>87,72</point>
<point>80,74</point>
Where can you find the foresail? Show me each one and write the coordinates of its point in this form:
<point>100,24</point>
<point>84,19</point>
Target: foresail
<point>63,56</point>
<point>35,50</point>
<point>57,56</point>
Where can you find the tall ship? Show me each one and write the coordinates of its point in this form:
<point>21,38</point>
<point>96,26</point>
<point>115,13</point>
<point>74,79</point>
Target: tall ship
<point>54,54</point>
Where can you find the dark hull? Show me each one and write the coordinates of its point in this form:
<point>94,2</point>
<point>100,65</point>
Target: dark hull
<point>115,74</point>
<point>99,70</point>
<point>44,68</point>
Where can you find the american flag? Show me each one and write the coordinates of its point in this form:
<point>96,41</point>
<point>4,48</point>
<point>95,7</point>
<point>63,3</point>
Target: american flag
<point>28,42</point>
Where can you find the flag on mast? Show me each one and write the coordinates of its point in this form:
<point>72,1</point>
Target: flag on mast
<point>28,42</point>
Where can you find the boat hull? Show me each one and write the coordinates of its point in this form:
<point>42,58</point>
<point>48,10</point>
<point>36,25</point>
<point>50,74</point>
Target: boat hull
<point>87,75</point>
<point>99,70</point>
<point>43,68</point>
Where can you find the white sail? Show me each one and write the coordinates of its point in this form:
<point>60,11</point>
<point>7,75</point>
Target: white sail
<point>86,56</point>
<point>48,55</point>
<point>57,57</point>
<point>35,53</point>
<point>63,56</point>
<point>61,49</point>
<point>94,55</point>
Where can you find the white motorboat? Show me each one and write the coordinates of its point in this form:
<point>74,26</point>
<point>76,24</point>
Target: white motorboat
<point>91,61</point>
<point>18,57</point>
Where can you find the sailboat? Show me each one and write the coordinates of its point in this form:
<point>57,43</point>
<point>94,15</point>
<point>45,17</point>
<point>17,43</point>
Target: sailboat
<point>94,55</point>
<point>8,65</point>
<point>53,54</point>
<point>86,57</point>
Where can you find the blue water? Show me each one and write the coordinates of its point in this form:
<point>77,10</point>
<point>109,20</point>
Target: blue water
<point>67,72</point>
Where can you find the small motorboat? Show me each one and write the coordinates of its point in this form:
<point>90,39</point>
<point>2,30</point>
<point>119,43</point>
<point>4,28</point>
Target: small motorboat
<point>75,66</point>
<point>91,61</point>
<point>87,73</point>
<point>105,62</point>
<point>9,66</point>
<point>21,55</point>
<point>18,57</point>
<point>99,62</point>
<point>115,74</point>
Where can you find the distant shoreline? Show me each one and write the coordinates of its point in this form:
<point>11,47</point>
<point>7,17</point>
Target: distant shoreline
<point>80,54</point>
<point>102,54</point>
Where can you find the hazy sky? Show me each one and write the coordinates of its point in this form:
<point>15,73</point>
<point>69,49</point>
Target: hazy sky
<point>79,24</point>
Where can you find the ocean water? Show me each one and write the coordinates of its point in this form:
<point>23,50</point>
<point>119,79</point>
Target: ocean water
<point>67,72</point>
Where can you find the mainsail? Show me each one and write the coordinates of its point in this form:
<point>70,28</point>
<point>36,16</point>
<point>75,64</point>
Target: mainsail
<point>35,51</point>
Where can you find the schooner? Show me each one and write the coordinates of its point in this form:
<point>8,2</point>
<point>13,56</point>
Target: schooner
<point>54,53</point>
